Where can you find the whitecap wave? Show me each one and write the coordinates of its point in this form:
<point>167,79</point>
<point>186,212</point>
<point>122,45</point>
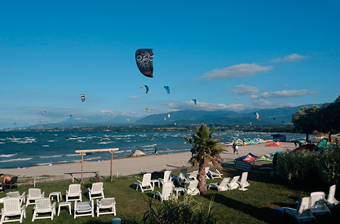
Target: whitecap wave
<point>13,160</point>
<point>104,143</point>
<point>94,158</point>
<point>55,156</point>
<point>7,155</point>
<point>148,146</point>
<point>73,155</point>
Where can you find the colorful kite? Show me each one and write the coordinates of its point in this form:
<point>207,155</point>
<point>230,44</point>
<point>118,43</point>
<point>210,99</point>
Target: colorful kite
<point>194,101</point>
<point>167,89</point>
<point>82,96</point>
<point>147,88</point>
<point>43,113</point>
<point>146,109</point>
<point>168,115</point>
<point>71,116</point>
<point>257,115</point>
<point>144,59</point>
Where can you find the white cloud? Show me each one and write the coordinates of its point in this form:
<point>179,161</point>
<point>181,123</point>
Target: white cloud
<point>235,71</point>
<point>134,97</point>
<point>261,103</point>
<point>245,90</point>
<point>238,98</point>
<point>287,93</point>
<point>254,97</point>
<point>290,58</point>
<point>118,113</point>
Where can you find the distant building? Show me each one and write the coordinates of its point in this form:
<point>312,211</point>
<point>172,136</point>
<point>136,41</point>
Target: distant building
<point>279,138</point>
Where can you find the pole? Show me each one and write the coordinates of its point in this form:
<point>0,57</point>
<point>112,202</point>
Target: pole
<point>82,155</point>
<point>111,164</point>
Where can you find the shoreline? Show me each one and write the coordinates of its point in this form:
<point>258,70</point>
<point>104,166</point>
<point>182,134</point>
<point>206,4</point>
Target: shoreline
<point>133,165</point>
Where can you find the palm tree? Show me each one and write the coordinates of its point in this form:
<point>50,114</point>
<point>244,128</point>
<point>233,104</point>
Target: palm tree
<point>207,150</point>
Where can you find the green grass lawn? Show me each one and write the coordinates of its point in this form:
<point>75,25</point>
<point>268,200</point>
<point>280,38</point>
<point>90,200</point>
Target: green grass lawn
<point>253,206</point>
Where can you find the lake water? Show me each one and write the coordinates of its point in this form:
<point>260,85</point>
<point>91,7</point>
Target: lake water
<point>26,149</point>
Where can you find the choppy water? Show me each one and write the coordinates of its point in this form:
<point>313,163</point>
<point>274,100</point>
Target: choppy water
<point>33,149</point>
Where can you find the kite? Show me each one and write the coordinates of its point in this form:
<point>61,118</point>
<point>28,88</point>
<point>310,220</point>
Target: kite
<point>147,88</point>
<point>167,89</point>
<point>168,115</point>
<point>283,122</point>
<point>39,123</point>
<point>82,96</point>
<point>144,59</point>
<point>43,113</point>
<point>15,123</point>
<point>165,118</point>
<point>194,101</point>
<point>128,120</point>
<point>257,115</point>
<point>71,116</point>
<point>146,109</point>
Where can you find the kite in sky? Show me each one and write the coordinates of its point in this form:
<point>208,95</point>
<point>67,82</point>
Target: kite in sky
<point>147,88</point>
<point>146,109</point>
<point>43,113</point>
<point>82,96</point>
<point>144,59</point>
<point>167,89</point>
<point>257,115</point>
<point>168,115</point>
<point>71,116</point>
<point>194,101</point>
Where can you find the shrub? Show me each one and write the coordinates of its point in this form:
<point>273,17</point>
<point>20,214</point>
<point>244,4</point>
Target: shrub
<point>329,166</point>
<point>184,211</point>
<point>304,167</point>
<point>298,166</point>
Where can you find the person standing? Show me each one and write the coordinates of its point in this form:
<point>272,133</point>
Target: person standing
<point>155,149</point>
<point>234,147</point>
<point>193,151</point>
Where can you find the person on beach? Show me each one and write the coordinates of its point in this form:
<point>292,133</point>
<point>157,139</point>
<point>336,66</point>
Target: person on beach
<point>234,147</point>
<point>193,151</point>
<point>155,149</point>
<point>6,180</point>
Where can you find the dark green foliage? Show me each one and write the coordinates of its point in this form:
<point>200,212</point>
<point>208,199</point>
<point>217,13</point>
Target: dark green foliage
<point>329,166</point>
<point>184,211</point>
<point>308,167</point>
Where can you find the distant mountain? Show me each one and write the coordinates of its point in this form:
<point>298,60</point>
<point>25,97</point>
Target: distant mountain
<point>276,116</point>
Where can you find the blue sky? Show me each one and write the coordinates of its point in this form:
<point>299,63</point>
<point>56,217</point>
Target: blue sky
<point>226,54</point>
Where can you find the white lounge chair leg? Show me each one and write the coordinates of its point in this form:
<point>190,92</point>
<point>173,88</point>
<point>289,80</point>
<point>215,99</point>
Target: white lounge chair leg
<point>242,188</point>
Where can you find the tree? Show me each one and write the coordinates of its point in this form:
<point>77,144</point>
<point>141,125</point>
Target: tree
<point>305,119</point>
<point>207,150</point>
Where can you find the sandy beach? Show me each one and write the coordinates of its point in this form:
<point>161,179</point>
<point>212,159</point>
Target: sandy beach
<point>134,165</point>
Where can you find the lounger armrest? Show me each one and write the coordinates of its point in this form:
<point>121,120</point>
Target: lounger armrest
<point>23,195</point>
<point>89,190</point>
<point>22,207</point>
<point>43,194</point>
<point>53,205</point>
